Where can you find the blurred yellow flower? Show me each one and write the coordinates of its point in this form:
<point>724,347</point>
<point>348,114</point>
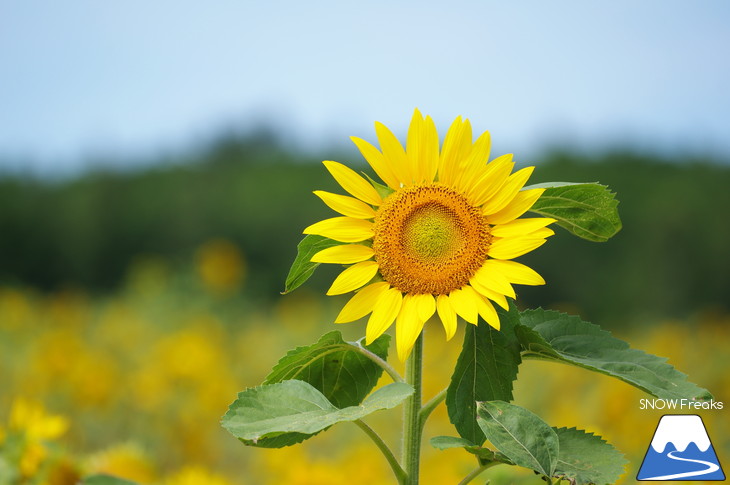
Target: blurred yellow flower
<point>192,352</point>
<point>196,475</point>
<point>221,266</point>
<point>31,419</point>
<point>124,461</point>
<point>294,466</point>
<point>30,461</point>
<point>439,239</point>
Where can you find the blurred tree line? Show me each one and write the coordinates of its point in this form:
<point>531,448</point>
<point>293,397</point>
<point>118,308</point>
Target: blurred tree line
<point>670,260</point>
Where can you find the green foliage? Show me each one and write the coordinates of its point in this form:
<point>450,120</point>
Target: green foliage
<point>582,458</point>
<point>484,371</point>
<point>333,366</point>
<point>563,338</point>
<point>295,408</point>
<point>587,210</point>
<point>302,268</point>
<point>488,365</point>
<point>585,458</point>
<point>520,435</point>
<point>105,480</point>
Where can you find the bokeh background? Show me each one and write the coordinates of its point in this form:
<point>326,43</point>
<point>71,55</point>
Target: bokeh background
<point>156,167</point>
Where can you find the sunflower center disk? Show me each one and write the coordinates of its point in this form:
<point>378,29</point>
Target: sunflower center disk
<point>429,239</point>
<point>431,233</point>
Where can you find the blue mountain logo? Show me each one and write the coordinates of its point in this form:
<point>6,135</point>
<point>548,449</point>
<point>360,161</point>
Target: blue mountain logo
<point>681,450</point>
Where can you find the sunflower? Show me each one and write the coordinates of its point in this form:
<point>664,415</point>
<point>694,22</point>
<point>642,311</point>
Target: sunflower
<point>439,237</point>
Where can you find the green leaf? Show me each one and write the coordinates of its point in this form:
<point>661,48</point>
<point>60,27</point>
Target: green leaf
<point>334,368</point>
<point>559,337</point>
<point>383,190</point>
<point>447,442</point>
<point>587,210</point>
<point>295,408</point>
<point>302,268</point>
<point>520,435</point>
<point>484,454</point>
<point>585,458</point>
<point>484,371</point>
<point>105,480</point>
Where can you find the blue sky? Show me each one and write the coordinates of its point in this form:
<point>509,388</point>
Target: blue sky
<point>83,78</point>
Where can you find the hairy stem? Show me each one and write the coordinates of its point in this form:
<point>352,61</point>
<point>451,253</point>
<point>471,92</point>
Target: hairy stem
<point>411,414</point>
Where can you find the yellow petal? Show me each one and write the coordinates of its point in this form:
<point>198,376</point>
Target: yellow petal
<point>519,205</point>
<point>507,193</point>
<point>353,183</point>
<point>464,305</point>
<point>490,315</point>
<point>362,302</point>
<point>384,312</point>
<point>517,273</point>
<point>393,153</point>
<point>544,233</point>
<point>413,147</point>
<point>512,247</point>
<point>416,311</point>
<point>430,151</point>
<point>426,306</point>
<point>408,326</point>
<point>347,206</point>
<point>484,308</point>
<point>457,146</point>
<point>343,229</point>
<point>343,254</point>
<point>521,227</point>
<point>353,277</point>
<point>422,148</point>
<point>490,278</point>
<point>377,161</point>
<point>496,297</point>
<point>447,314</point>
<point>491,179</point>
<point>472,167</point>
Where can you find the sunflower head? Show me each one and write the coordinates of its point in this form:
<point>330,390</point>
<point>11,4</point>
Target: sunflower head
<point>439,239</point>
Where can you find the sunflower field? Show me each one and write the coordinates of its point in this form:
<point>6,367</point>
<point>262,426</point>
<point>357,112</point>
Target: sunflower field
<point>134,305</point>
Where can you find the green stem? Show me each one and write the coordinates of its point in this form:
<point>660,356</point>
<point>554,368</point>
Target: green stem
<point>411,412</point>
<point>400,474</point>
<point>476,472</point>
<point>375,358</point>
<point>428,408</point>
